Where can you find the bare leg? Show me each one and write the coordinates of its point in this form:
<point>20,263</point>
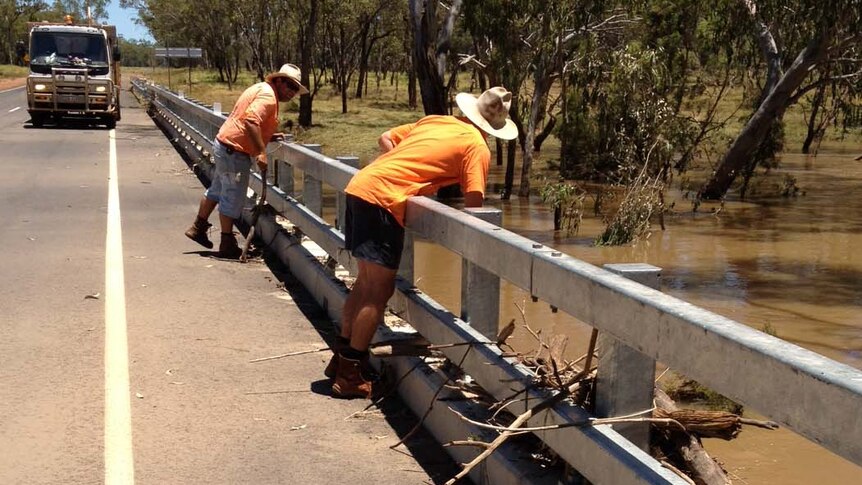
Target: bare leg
<point>351,305</point>
<point>206,208</point>
<point>377,286</point>
<point>226,223</point>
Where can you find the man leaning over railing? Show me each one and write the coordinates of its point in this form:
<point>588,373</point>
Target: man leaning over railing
<point>417,159</point>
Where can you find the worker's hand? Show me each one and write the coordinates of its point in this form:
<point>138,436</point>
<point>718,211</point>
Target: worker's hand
<point>276,137</point>
<point>261,162</point>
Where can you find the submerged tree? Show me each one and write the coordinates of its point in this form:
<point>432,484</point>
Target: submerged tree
<point>798,42</point>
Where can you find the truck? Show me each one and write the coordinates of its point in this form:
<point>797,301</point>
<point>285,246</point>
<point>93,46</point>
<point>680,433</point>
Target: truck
<point>74,72</point>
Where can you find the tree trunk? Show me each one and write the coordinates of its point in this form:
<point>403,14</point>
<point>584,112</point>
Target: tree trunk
<point>696,459</point>
<point>423,14</point>
<point>306,42</point>
<point>542,82</point>
<point>813,128</point>
<point>510,170</point>
<point>771,109</point>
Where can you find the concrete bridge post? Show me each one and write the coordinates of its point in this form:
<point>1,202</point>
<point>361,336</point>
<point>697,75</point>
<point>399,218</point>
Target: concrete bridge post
<point>626,377</point>
<point>340,198</point>
<point>312,189</point>
<point>480,289</point>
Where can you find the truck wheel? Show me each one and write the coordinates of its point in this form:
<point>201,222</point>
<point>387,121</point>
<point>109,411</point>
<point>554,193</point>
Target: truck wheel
<point>118,115</point>
<point>38,120</point>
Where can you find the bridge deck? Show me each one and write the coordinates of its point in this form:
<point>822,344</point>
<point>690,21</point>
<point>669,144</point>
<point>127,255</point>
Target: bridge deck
<point>201,412</point>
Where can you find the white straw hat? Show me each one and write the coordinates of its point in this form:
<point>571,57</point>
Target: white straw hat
<point>490,112</point>
<point>291,72</point>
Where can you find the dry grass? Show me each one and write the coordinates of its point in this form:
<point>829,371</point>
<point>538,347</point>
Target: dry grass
<point>12,72</point>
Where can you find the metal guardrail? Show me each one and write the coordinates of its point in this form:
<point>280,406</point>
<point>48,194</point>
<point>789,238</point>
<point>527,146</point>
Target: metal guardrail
<point>811,394</point>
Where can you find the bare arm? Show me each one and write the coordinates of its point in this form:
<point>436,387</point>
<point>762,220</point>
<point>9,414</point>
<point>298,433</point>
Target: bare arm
<point>473,199</point>
<point>385,142</point>
<point>256,137</point>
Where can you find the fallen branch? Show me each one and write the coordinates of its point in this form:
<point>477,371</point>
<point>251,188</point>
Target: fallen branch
<point>548,403</point>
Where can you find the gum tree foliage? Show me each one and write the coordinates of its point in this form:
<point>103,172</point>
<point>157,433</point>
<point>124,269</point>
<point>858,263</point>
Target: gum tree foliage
<point>136,52</point>
<point>351,29</point>
<point>14,15</point>
<point>804,44</point>
<point>216,29</point>
<point>264,26</point>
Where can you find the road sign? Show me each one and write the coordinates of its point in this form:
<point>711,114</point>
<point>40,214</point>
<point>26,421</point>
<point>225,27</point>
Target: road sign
<point>180,52</point>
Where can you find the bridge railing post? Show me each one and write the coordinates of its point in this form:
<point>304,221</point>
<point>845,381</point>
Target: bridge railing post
<point>340,198</point>
<point>625,380</point>
<point>312,189</point>
<point>480,289</point>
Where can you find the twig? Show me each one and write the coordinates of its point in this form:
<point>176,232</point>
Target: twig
<point>575,424</point>
<point>253,393</point>
<point>550,402</point>
<point>431,406</point>
<point>289,354</point>
<point>480,444</point>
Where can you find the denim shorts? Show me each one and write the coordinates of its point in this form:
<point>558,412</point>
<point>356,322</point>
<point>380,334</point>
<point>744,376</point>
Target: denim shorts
<point>372,233</point>
<point>230,181</point>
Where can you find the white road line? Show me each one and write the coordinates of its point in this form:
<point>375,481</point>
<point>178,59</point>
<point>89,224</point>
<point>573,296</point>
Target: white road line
<point>13,89</point>
<point>14,109</point>
<point>119,459</point>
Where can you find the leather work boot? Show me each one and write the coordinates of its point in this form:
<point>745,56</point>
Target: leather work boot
<point>228,248</point>
<point>349,381</point>
<point>337,346</point>
<point>198,232</point>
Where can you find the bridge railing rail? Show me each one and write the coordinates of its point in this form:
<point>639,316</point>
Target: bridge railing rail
<point>815,396</point>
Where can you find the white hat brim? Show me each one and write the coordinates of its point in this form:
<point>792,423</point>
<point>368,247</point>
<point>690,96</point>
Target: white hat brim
<point>271,76</point>
<point>469,105</point>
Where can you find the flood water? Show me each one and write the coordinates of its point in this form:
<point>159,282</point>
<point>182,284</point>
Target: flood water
<point>791,264</point>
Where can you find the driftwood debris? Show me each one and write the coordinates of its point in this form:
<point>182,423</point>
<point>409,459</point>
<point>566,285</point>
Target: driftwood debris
<point>687,448</point>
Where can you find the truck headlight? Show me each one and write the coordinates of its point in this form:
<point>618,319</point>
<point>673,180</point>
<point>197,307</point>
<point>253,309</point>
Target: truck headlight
<point>40,87</point>
<point>101,89</point>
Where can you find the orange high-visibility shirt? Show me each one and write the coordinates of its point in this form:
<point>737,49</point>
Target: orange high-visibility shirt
<point>258,104</point>
<point>433,152</point>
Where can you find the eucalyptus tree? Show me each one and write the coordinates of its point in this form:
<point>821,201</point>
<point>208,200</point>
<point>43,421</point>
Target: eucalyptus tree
<point>801,43</point>
<point>432,33</point>
<point>13,17</point>
<point>350,31</point>
<point>375,26</point>
<point>308,14</point>
<point>216,29</point>
<point>79,9</point>
<point>266,27</point>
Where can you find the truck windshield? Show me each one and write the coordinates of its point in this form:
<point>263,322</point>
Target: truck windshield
<point>68,49</point>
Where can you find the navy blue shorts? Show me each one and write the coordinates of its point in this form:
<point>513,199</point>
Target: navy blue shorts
<point>371,233</point>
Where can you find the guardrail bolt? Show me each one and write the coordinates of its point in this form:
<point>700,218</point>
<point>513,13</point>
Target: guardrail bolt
<point>556,254</point>
<point>554,309</point>
<point>536,245</point>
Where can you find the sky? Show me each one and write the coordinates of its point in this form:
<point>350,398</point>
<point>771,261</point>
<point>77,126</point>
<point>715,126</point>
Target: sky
<point>124,19</point>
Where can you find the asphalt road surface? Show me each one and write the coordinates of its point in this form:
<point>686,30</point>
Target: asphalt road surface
<point>124,355</point>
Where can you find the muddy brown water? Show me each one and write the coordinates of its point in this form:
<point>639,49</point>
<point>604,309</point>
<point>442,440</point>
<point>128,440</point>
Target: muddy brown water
<point>792,264</point>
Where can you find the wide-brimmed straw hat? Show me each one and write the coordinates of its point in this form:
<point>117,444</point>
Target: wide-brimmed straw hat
<point>490,112</point>
<point>291,72</point>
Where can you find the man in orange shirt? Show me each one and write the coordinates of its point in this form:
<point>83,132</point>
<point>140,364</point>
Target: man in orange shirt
<point>241,139</point>
<point>417,159</point>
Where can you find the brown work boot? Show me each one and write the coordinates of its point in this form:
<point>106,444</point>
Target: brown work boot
<point>198,232</point>
<point>349,381</point>
<point>340,344</point>
<point>228,248</point>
